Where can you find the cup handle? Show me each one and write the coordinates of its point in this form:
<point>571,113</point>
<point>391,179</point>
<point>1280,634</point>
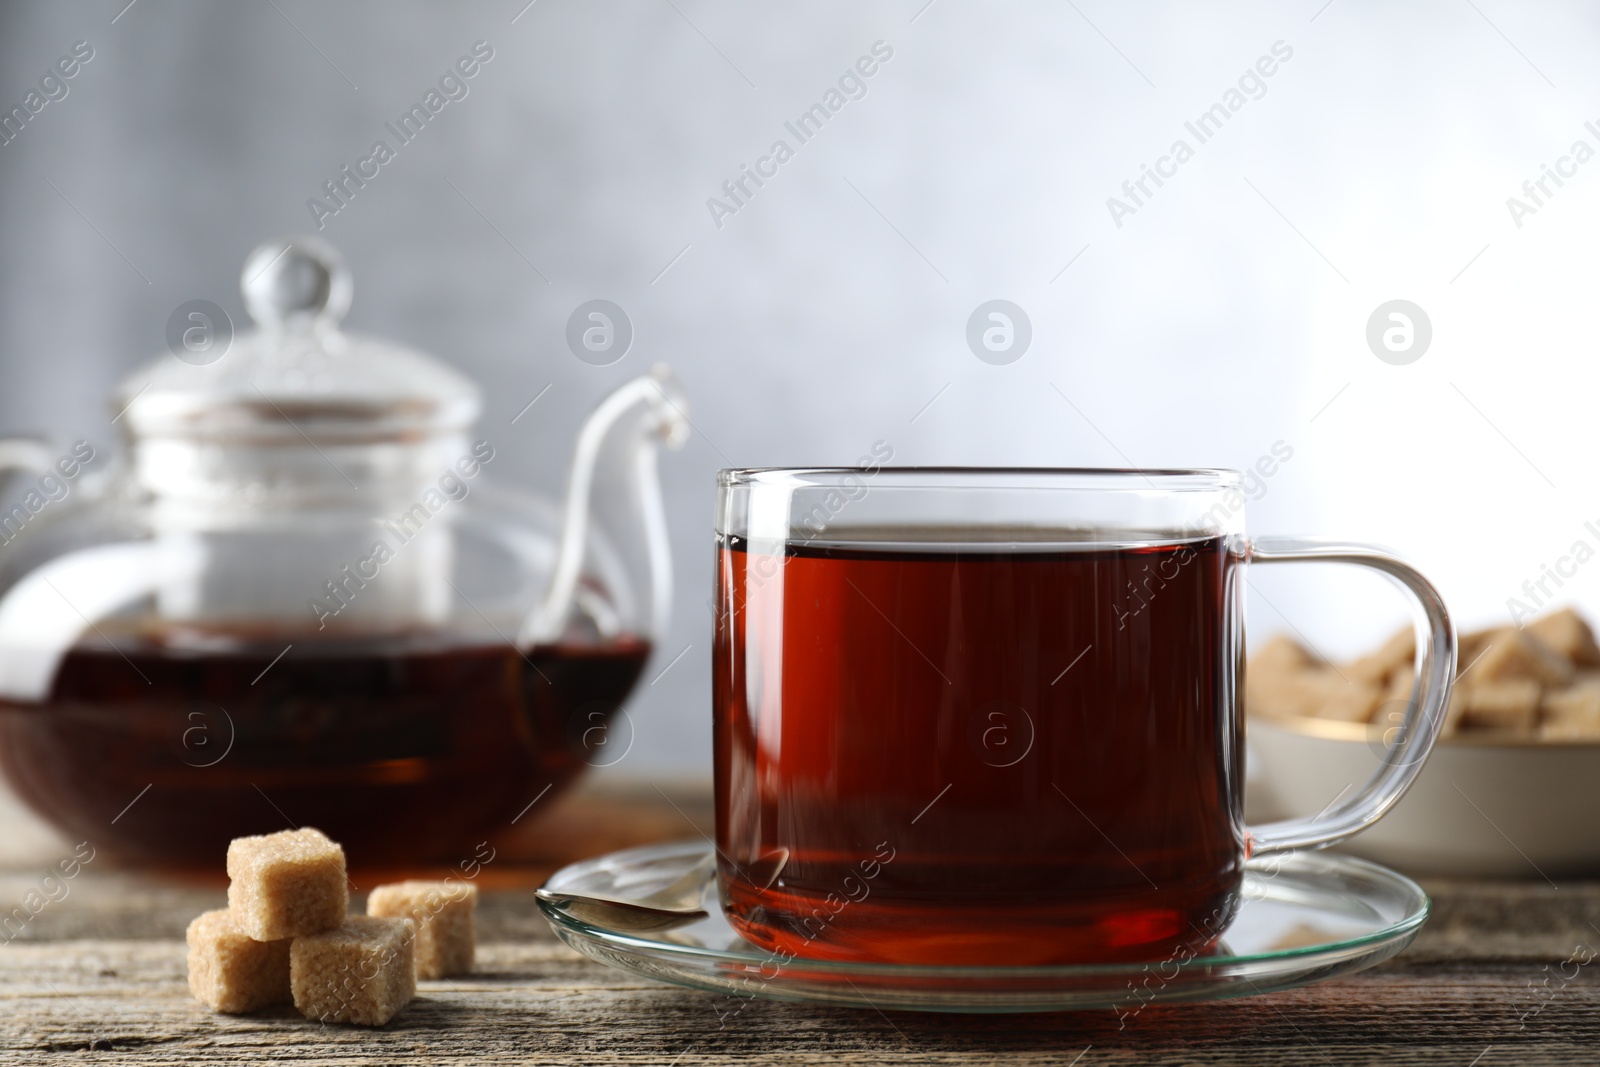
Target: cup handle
<point>1430,695</point>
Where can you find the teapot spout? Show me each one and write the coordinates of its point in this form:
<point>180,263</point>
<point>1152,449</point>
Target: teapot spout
<point>613,511</point>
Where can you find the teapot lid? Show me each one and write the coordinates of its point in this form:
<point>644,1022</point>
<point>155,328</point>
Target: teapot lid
<point>297,377</point>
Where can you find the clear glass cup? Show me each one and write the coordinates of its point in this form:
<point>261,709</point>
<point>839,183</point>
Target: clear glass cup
<point>972,716</point>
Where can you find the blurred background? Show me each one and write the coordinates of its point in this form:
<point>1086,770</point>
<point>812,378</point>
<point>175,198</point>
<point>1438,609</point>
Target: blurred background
<point>1199,322</point>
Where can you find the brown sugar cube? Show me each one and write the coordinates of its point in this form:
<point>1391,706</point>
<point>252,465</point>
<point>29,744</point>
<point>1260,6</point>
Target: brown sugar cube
<point>1581,700</point>
<point>1567,633</point>
<point>1376,667</point>
<point>1292,694</point>
<point>1325,695</point>
<point>1517,656</point>
<point>443,912</point>
<point>1401,683</point>
<point>1271,694</point>
<point>1319,693</point>
<point>1396,702</point>
<point>1472,644</point>
<point>1569,730</point>
<point>363,972</point>
<point>1392,711</point>
<point>1280,655</point>
<point>1510,705</point>
<point>1350,702</point>
<point>231,972</point>
<point>287,884</point>
<point>1577,705</point>
<point>1271,673</point>
<point>1398,698</point>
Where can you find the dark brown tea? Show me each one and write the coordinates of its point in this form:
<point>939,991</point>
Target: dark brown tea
<point>405,750</point>
<point>970,754</point>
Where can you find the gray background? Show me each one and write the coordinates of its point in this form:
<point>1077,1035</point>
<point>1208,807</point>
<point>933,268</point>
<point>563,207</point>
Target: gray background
<point>1227,314</point>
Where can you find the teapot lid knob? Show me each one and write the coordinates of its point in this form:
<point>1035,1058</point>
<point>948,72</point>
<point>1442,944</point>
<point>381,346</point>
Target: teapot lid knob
<point>295,278</point>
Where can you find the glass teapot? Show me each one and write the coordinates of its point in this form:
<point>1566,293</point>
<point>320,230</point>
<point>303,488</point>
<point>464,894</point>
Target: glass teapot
<point>300,600</point>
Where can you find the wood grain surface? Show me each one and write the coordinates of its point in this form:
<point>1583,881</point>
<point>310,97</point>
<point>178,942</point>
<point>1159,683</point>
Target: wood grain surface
<point>98,976</point>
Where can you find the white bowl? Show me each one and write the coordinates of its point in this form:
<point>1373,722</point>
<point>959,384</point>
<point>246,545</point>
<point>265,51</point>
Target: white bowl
<point>1487,806</point>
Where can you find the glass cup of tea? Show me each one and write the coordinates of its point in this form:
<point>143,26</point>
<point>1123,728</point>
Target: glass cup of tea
<point>993,716</point>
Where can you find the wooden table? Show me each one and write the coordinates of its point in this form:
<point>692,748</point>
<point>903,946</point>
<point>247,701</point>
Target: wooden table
<point>98,976</point>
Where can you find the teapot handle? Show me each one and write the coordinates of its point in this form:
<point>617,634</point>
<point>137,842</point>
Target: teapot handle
<point>21,455</point>
<point>47,611</point>
<point>25,455</point>
<point>642,412</point>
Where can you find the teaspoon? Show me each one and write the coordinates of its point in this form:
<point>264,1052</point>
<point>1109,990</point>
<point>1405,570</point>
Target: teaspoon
<point>673,905</point>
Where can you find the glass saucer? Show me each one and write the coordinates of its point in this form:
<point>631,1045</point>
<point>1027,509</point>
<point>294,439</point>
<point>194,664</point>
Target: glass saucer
<point>1304,918</point>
